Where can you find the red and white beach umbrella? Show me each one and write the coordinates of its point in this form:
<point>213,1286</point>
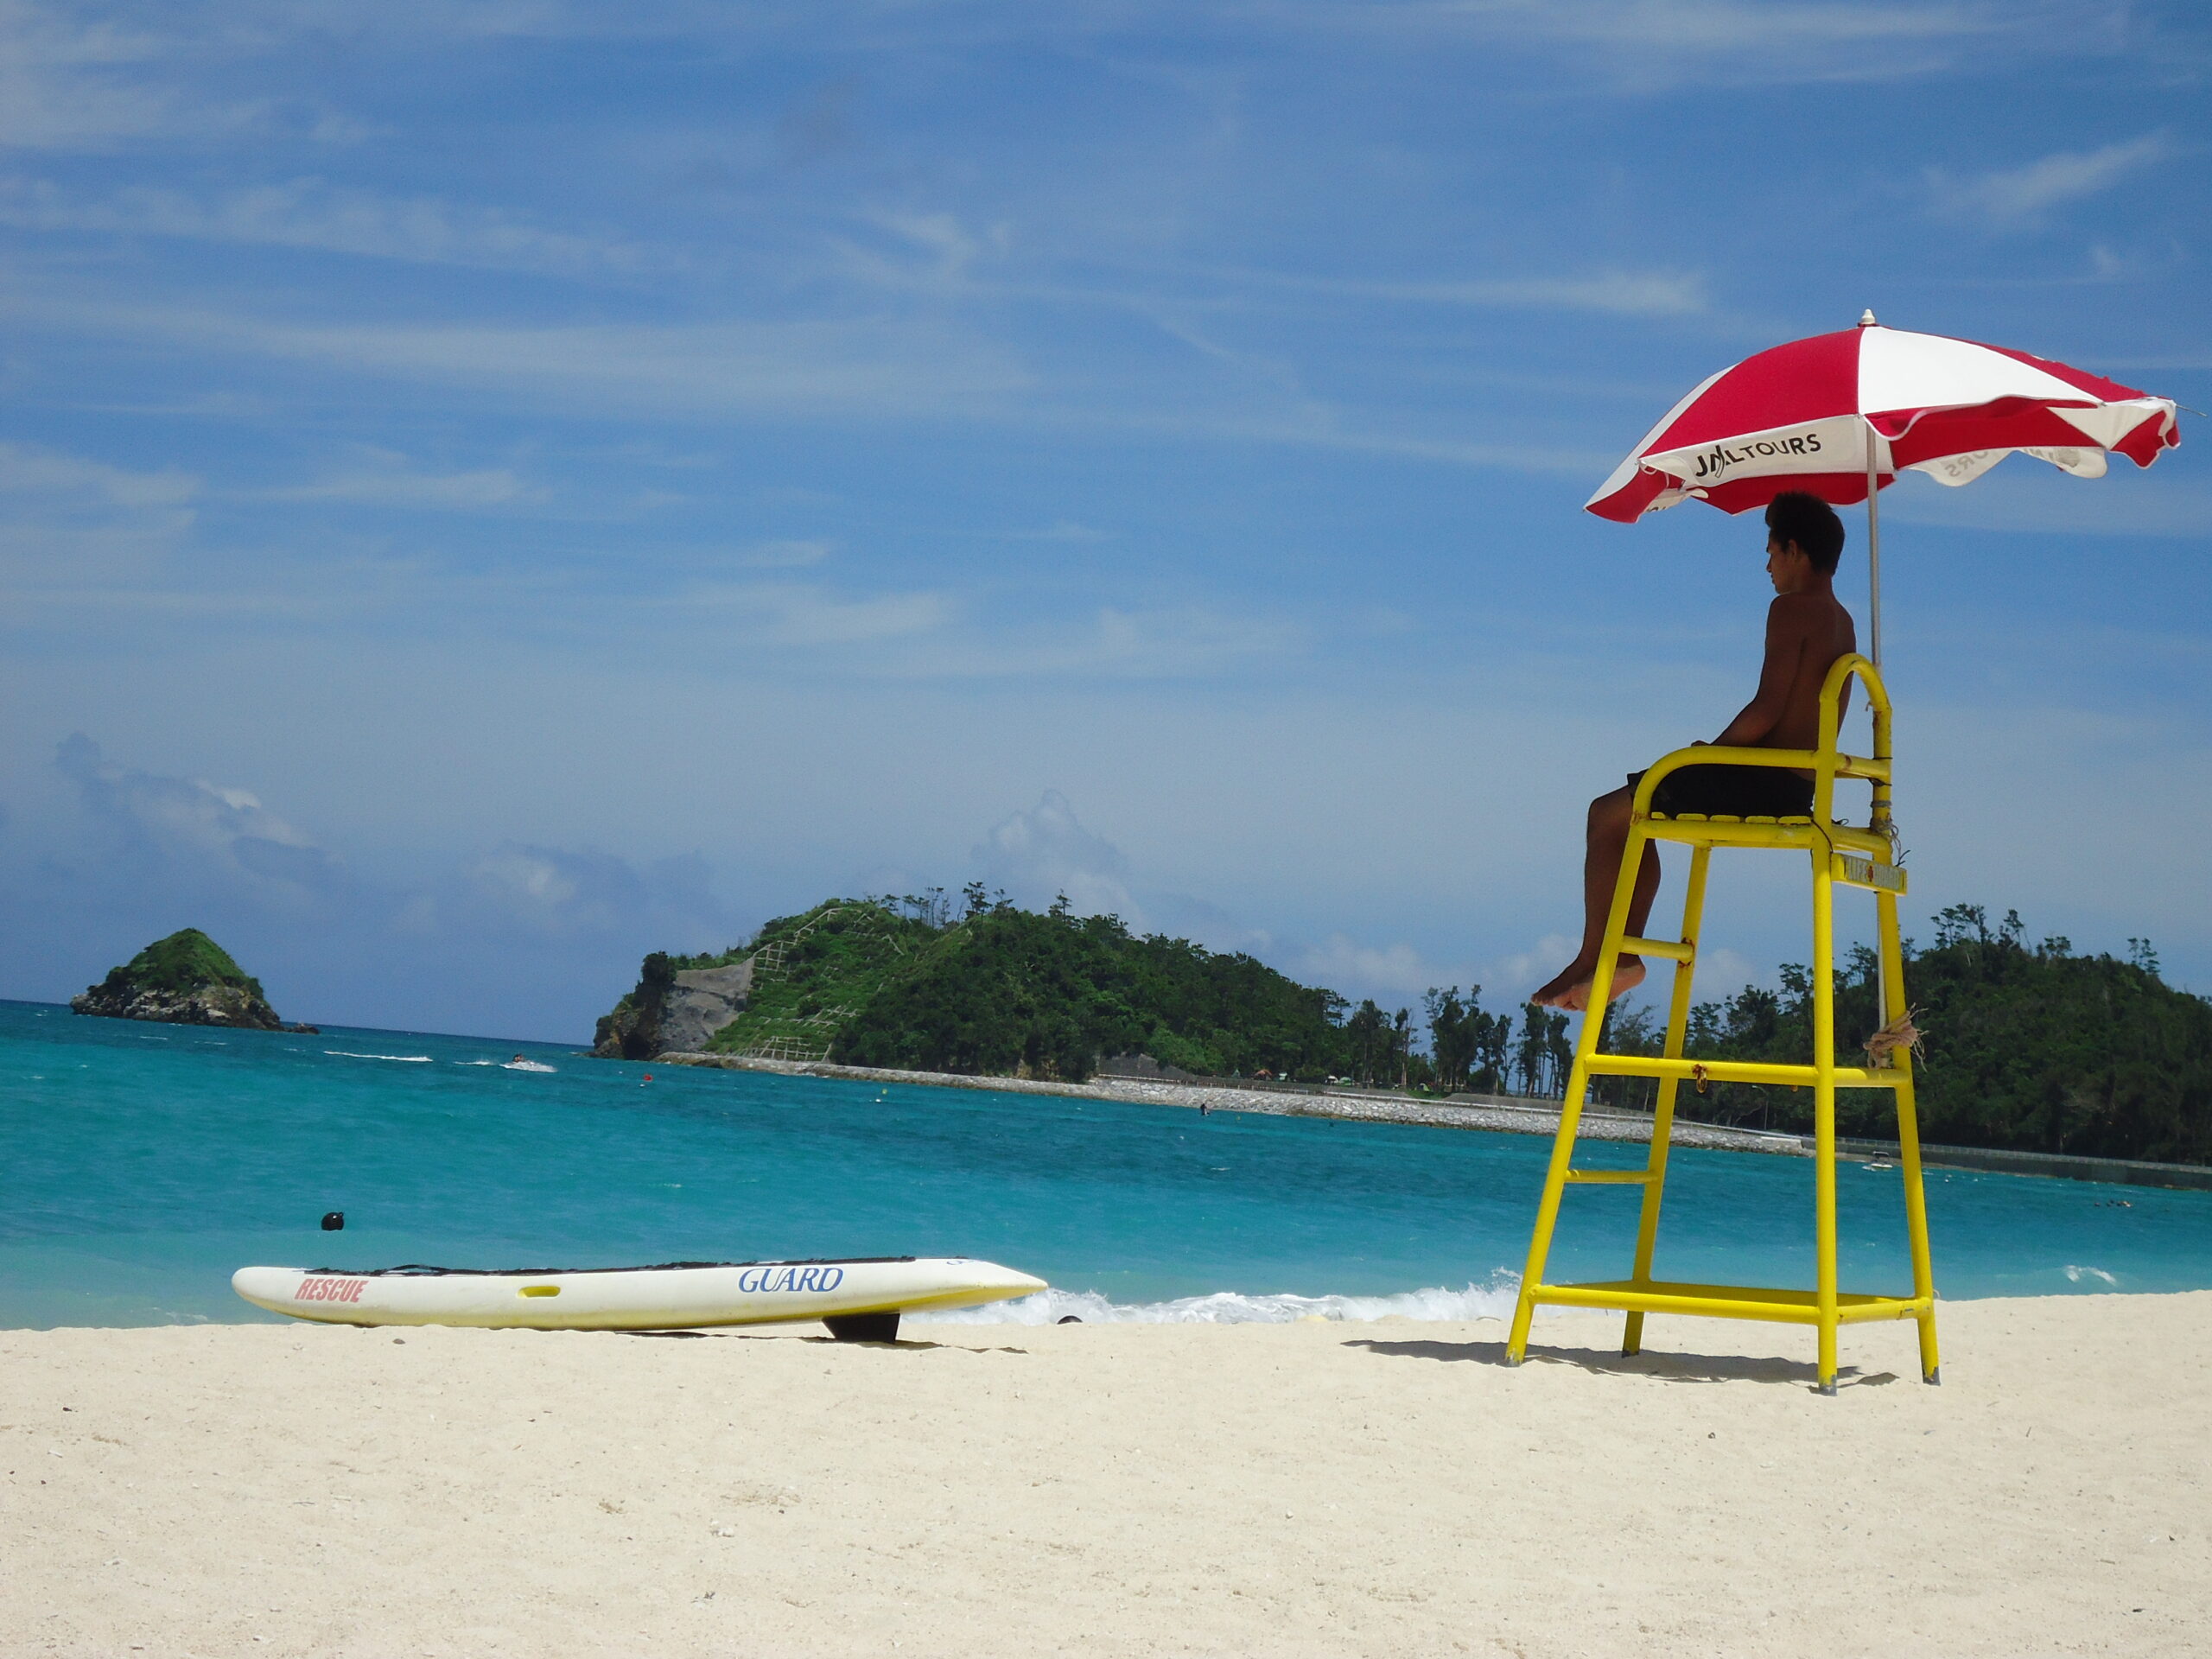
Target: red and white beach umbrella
<point>1840,414</point>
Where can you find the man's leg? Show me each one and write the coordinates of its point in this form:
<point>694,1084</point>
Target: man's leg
<point>1601,864</point>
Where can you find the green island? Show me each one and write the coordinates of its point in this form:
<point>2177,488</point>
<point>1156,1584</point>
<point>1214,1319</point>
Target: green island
<point>1000,992</point>
<point>184,979</point>
<point>2032,1048</point>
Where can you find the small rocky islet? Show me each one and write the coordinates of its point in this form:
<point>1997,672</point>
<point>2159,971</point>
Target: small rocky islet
<point>185,979</point>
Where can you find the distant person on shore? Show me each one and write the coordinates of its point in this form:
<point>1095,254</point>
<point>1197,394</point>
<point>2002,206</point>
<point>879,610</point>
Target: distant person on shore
<point>1807,630</point>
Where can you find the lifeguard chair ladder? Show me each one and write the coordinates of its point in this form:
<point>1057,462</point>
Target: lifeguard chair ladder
<point>1842,853</point>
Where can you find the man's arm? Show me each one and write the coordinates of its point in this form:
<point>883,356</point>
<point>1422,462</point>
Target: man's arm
<point>1785,647</point>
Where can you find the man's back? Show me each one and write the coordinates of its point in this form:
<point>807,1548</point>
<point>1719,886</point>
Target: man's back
<point>1809,631</point>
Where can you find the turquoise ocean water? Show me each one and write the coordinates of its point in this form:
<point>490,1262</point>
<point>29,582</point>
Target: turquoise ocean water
<point>140,1164</point>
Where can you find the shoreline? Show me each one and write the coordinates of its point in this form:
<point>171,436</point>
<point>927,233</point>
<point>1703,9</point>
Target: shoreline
<point>1494,1114</point>
<point>1343,1490</point>
<point>1597,1124</point>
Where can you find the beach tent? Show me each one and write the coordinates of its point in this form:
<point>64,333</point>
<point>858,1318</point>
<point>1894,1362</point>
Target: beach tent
<point>1839,415</point>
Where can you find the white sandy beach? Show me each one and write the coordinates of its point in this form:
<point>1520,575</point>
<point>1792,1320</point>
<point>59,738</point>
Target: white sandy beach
<point>1513,1115</point>
<point>1332,1489</point>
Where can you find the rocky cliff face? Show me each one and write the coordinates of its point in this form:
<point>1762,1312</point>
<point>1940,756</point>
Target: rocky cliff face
<point>185,979</point>
<point>213,1005</point>
<point>701,1002</point>
<point>674,1010</point>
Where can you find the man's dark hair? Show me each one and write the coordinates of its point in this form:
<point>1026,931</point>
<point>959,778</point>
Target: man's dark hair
<point>1793,516</point>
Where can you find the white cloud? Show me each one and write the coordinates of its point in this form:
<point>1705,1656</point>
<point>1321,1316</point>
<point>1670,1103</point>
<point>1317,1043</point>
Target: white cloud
<point>1038,855</point>
<point>1066,530</point>
<point>1385,972</point>
<point>1179,916</point>
<point>523,937</point>
<point>2022,495</point>
<point>1183,640</point>
<point>557,893</point>
<point>59,594</point>
<point>869,368</point>
<point>1661,42</point>
<point>211,830</point>
<point>28,471</point>
<point>2017,197</point>
<point>56,88</point>
<point>783,555</point>
<point>1181,643</point>
<point>796,613</point>
<point>1320,428</point>
<point>872,371</point>
<point>386,481</point>
<point>1621,293</point>
<point>312,214</point>
<point>941,237</point>
<point>85,531</point>
<point>1736,26</point>
<point>1723,973</point>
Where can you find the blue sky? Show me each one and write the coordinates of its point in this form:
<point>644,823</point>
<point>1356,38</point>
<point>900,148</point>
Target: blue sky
<point>489,490</point>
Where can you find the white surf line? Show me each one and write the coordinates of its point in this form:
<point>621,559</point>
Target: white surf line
<point>1434,1303</point>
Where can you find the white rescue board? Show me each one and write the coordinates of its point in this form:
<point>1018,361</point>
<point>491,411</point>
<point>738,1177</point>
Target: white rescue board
<point>863,1297</point>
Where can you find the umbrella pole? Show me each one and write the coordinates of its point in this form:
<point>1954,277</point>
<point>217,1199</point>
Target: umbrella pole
<point>1874,548</point>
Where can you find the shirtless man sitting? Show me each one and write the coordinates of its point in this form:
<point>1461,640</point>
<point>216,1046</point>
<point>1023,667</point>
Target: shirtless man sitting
<point>1807,629</point>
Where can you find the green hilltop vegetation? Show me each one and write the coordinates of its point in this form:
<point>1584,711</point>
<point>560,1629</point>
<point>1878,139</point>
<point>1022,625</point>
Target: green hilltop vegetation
<point>186,961</point>
<point>2034,1048</point>
<point>1006,992</point>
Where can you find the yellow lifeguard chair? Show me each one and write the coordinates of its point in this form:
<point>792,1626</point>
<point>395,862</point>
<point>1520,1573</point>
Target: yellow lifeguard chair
<point>1845,853</point>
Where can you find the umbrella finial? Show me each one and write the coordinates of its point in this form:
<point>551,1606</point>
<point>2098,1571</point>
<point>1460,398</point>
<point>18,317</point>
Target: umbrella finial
<point>1867,318</point>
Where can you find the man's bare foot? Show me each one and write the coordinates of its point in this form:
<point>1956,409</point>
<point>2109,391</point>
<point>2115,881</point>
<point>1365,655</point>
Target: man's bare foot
<point>1570,990</point>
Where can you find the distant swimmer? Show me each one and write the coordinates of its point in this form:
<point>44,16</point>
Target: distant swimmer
<point>1807,630</point>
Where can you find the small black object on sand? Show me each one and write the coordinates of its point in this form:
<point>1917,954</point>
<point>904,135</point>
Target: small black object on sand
<point>864,1327</point>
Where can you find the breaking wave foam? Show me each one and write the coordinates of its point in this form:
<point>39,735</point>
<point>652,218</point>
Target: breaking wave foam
<point>1491,1301</point>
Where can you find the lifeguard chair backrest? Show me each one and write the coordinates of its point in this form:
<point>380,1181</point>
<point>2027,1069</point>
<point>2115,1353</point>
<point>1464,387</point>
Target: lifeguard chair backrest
<point>1830,762</point>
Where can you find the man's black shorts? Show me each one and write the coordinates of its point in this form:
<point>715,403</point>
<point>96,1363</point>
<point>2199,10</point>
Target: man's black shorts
<point>1732,791</point>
